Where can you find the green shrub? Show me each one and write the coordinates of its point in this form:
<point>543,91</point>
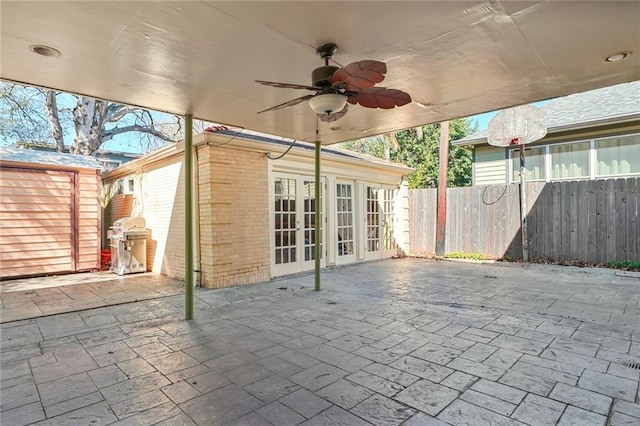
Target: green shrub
<point>628,265</point>
<point>473,256</point>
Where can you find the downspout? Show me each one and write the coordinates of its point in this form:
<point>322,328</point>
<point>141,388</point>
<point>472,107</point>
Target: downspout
<point>197,271</point>
<point>318,223</point>
<point>188,217</point>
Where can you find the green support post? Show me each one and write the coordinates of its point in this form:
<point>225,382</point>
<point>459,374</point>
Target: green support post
<point>188,217</point>
<point>318,223</point>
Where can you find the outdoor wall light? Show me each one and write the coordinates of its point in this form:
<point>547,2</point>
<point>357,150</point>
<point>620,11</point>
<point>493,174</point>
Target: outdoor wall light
<point>327,103</point>
<point>42,50</point>
<point>617,57</point>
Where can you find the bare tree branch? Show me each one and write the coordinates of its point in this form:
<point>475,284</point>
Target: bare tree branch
<point>116,112</point>
<point>41,116</point>
<point>51,106</point>
<point>110,133</point>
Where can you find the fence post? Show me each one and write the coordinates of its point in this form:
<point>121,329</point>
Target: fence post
<point>442,188</point>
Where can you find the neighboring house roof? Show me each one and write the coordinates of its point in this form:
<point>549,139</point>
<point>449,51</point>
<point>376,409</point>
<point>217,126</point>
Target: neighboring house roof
<point>595,107</point>
<point>20,155</point>
<point>51,147</point>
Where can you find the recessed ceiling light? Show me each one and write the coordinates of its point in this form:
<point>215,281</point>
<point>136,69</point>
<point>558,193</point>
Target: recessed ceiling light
<point>617,57</point>
<point>43,50</point>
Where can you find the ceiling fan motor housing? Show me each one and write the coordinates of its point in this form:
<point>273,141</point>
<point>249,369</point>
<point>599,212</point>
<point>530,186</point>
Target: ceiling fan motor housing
<point>320,76</point>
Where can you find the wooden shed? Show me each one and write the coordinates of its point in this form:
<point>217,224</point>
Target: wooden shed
<point>50,213</point>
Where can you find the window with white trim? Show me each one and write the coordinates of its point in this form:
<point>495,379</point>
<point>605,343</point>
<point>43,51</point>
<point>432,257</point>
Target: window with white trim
<point>109,164</point>
<point>535,162</point>
<point>616,156</point>
<point>570,161</point>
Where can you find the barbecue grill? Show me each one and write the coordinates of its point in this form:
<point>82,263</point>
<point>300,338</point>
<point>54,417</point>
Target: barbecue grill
<point>128,241</point>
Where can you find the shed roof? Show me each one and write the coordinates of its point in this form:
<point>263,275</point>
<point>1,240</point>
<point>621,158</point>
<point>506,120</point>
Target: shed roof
<point>595,107</point>
<point>20,155</point>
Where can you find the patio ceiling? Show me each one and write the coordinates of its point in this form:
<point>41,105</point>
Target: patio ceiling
<point>455,58</point>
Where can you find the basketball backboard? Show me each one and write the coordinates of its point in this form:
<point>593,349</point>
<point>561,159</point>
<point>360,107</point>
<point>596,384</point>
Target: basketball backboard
<point>517,126</point>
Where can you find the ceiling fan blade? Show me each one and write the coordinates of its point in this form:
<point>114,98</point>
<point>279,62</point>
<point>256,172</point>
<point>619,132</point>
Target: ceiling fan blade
<point>330,118</point>
<point>360,75</point>
<point>380,97</point>
<point>292,102</point>
<point>287,85</point>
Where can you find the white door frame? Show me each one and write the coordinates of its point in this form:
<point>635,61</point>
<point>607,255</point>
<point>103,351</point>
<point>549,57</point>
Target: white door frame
<point>348,241</point>
<point>378,204</point>
<point>291,228</point>
<point>389,202</point>
<point>372,218</point>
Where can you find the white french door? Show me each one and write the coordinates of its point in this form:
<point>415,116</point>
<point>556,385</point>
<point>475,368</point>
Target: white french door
<point>379,239</point>
<point>388,200</point>
<point>294,224</point>
<point>345,223</point>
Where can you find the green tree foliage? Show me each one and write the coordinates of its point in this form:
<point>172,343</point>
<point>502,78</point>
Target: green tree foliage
<point>419,148</point>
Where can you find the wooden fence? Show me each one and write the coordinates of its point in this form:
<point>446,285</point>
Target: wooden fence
<point>591,221</point>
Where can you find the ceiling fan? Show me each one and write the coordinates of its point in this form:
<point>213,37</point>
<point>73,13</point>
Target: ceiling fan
<point>334,87</point>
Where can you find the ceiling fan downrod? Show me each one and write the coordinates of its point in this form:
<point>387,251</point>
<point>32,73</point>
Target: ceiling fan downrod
<point>320,75</point>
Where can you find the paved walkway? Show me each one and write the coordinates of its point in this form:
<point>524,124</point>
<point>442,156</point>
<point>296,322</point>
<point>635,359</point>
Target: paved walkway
<point>408,341</point>
<point>37,297</point>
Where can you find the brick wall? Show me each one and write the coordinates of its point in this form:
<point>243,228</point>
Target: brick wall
<point>234,217</point>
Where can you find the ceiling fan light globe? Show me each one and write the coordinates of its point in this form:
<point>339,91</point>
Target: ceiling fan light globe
<point>327,103</point>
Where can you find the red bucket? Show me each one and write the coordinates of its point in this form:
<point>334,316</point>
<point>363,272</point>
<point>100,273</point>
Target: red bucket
<point>105,259</point>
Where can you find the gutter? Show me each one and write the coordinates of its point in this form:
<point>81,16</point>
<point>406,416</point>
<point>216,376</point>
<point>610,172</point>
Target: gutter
<point>214,139</point>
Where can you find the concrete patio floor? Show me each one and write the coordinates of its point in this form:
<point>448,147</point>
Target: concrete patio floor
<point>413,342</point>
<point>42,296</point>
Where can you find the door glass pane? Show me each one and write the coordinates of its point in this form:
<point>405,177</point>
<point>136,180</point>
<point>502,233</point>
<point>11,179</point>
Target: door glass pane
<point>618,156</point>
<point>534,162</point>
<point>345,219</point>
<point>309,220</point>
<point>285,223</point>
<point>373,220</point>
<point>570,160</point>
<point>387,224</point>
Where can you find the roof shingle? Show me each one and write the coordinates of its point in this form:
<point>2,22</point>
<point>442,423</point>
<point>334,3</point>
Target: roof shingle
<point>595,106</point>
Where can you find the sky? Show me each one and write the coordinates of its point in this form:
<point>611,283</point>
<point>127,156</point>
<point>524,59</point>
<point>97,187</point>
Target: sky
<point>483,119</point>
<point>131,143</point>
<point>126,143</point>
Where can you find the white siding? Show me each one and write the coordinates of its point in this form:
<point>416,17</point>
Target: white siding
<point>162,206</point>
<point>490,166</point>
<point>401,213</point>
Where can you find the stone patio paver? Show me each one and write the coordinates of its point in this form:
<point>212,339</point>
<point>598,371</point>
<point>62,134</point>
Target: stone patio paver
<point>393,342</point>
<point>536,410</point>
<point>46,296</point>
<point>581,398</point>
<point>577,417</point>
<point>427,396</point>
